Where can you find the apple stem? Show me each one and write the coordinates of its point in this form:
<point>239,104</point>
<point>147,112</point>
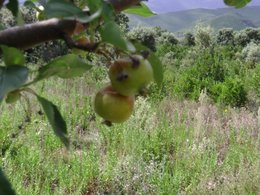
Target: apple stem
<point>136,61</point>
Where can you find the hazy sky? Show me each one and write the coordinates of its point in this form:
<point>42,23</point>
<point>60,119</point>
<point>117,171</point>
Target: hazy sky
<point>177,5</point>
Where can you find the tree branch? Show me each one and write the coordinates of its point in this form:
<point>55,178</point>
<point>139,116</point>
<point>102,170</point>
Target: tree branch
<point>27,36</point>
<point>24,37</point>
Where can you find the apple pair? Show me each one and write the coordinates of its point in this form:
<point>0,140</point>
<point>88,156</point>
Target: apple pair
<point>128,77</point>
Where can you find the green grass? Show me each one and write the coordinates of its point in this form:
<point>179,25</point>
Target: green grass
<point>167,147</point>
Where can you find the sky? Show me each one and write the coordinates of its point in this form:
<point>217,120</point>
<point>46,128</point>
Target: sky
<point>162,6</point>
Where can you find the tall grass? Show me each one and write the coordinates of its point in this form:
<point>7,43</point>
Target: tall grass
<point>167,146</point>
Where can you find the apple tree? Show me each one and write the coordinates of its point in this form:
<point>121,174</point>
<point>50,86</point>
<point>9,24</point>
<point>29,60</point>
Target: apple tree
<point>71,21</point>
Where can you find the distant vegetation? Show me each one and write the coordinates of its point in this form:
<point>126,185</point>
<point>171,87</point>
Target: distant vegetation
<point>225,63</point>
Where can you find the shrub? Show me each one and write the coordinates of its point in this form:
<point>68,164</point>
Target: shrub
<point>179,51</point>
<point>169,58</point>
<point>251,53</point>
<point>152,37</point>
<point>253,34</point>
<point>122,20</point>
<point>167,38</point>
<point>203,36</point>
<point>28,15</point>
<point>187,85</point>
<point>231,92</point>
<point>225,36</point>
<point>6,18</point>
<point>255,80</point>
<point>189,39</point>
<point>146,35</point>
<point>243,37</point>
<point>189,59</point>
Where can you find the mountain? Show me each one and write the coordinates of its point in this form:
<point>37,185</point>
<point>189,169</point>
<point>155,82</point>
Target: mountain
<point>163,6</point>
<point>182,21</point>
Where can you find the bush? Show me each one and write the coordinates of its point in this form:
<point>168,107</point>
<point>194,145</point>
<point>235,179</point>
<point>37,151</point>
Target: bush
<point>253,34</point>
<point>251,53</point>
<point>46,51</point>
<point>28,15</point>
<point>231,92</point>
<point>189,39</point>
<point>187,85</point>
<point>122,20</point>
<point>189,59</point>
<point>243,37</point>
<point>152,37</point>
<point>255,80</point>
<point>225,36</point>
<point>222,77</point>
<point>167,38</point>
<point>146,35</point>
<point>6,18</point>
<point>179,51</point>
<point>203,36</point>
<point>169,58</point>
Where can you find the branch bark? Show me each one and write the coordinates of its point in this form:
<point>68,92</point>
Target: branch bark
<point>27,36</point>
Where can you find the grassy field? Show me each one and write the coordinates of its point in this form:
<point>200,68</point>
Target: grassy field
<point>167,147</point>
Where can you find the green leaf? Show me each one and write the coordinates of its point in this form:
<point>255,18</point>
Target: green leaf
<point>157,68</point>
<point>155,62</point>
<point>5,186</point>
<point>13,6</point>
<point>55,119</point>
<point>67,66</point>
<point>141,10</point>
<point>67,10</point>
<point>12,56</point>
<point>83,18</point>
<point>108,13</point>
<point>111,33</point>
<point>237,3</point>
<point>94,5</point>
<point>12,78</point>
<point>60,9</point>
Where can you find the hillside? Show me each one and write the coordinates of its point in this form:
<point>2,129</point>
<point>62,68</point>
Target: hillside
<point>218,18</point>
<point>165,6</point>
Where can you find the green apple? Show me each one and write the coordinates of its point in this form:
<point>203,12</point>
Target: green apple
<point>112,106</point>
<point>13,97</point>
<point>130,75</point>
